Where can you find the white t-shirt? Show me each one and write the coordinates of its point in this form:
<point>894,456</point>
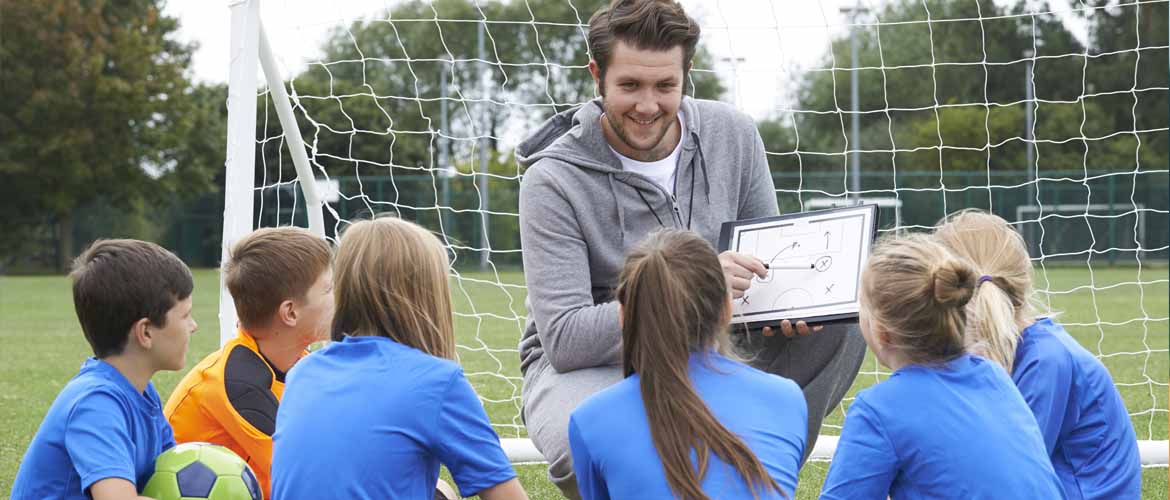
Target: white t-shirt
<point>661,171</point>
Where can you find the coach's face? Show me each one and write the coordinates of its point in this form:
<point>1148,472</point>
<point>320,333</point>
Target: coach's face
<point>641,94</point>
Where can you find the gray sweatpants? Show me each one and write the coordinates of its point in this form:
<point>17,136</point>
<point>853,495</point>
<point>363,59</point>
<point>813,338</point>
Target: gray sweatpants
<point>823,363</point>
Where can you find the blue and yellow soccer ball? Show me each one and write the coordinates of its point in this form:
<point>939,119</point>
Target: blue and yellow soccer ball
<point>201,471</point>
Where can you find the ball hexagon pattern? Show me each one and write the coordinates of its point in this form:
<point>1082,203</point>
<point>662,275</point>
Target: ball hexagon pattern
<point>201,471</point>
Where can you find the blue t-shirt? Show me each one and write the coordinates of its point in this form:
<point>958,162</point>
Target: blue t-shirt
<point>369,418</point>
<point>1086,428</point>
<point>958,430</point>
<point>614,455</point>
<point>99,427</point>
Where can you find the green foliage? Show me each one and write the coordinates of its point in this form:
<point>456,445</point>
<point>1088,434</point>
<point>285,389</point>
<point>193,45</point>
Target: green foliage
<point>97,109</point>
<point>924,84</point>
<point>373,103</point>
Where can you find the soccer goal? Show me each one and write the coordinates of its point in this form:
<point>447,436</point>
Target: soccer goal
<point>1052,115</point>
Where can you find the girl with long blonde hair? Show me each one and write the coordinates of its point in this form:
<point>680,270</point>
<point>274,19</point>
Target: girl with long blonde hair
<point>946,424</point>
<point>687,421</point>
<point>1086,427</point>
<point>375,414</point>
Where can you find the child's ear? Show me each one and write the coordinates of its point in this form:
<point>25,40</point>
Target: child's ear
<point>286,313</point>
<point>140,333</point>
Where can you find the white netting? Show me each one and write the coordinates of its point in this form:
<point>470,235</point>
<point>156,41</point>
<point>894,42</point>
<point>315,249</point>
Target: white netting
<point>1055,117</point>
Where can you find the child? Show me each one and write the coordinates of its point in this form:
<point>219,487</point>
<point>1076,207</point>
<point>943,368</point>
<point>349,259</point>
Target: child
<point>946,424</point>
<point>282,285</point>
<point>1086,428</point>
<point>687,422</point>
<point>103,432</point>
<point>374,414</point>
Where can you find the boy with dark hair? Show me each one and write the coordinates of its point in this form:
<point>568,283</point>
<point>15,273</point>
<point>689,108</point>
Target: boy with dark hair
<point>101,435</point>
<point>281,281</point>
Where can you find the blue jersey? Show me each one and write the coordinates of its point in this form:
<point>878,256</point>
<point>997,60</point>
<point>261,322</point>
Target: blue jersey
<point>99,427</point>
<point>1086,428</point>
<point>614,456</point>
<point>369,418</point>
<point>958,430</point>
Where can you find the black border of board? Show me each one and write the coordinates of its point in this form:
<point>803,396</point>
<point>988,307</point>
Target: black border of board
<point>725,242</point>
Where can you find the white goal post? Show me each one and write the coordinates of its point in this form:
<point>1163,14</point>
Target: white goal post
<point>448,181</point>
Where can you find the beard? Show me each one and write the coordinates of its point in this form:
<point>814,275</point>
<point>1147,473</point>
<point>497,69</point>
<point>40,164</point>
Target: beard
<point>652,147</point>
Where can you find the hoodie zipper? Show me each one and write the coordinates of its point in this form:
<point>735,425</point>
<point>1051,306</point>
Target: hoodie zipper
<point>677,212</point>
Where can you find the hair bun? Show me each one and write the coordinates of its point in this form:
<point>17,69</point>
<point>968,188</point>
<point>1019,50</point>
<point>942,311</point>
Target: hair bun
<point>954,283</point>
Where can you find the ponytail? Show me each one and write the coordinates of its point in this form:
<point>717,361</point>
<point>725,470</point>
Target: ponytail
<point>919,292</point>
<point>1001,308</point>
<point>673,297</point>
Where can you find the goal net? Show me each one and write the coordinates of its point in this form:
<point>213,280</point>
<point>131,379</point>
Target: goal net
<point>1052,115</point>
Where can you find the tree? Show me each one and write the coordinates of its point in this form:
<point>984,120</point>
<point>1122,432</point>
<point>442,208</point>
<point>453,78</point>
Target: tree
<point>95,108</point>
<point>372,103</point>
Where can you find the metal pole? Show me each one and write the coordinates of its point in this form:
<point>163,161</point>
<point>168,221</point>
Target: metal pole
<point>1029,142</point>
<point>484,243</point>
<point>854,159</point>
<point>444,157</point>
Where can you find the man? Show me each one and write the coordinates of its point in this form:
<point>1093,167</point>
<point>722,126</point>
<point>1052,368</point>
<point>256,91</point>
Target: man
<point>602,177</point>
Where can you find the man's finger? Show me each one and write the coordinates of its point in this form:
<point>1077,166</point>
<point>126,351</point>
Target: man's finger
<point>752,264</point>
<point>786,328</point>
<point>802,328</point>
<point>739,284</point>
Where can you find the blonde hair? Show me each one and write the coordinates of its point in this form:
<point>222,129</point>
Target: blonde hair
<point>1002,306</point>
<point>390,280</point>
<point>918,291</point>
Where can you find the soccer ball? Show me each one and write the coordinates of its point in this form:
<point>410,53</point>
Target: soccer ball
<point>201,471</point>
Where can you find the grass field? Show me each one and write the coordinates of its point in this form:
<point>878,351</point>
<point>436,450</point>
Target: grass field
<point>43,347</point>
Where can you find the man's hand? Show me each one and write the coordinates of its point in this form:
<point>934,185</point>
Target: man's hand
<point>738,270</point>
<point>786,328</point>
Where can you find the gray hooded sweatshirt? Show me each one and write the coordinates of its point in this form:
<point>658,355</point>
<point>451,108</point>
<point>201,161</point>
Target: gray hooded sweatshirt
<point>581,212</point>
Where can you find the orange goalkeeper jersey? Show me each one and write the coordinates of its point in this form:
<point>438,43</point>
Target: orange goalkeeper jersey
<point>230,399</point>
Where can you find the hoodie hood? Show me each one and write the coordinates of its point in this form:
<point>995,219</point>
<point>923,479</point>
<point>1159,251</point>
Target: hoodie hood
<point>581,212</point>
<point>575,136</point>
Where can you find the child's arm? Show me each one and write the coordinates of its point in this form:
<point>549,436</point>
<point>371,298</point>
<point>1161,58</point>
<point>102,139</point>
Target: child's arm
<point>1045,382</point>
<point>865,463</point>
<point>507,490</point>
<point>99,444</point>
<point>463,439</point>
<point>114,488</point>
<point>589,482</point>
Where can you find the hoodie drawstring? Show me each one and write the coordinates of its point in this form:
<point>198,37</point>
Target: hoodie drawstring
<point>621,211</point>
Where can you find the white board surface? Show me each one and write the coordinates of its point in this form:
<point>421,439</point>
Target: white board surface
<point>815,261</point>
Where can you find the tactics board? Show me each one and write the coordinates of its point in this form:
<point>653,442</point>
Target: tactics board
<point>814,258</point>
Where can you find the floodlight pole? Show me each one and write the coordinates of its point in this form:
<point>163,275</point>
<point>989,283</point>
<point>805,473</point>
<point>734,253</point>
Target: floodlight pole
<point>444,156</point>
<point>1029,119</point>
<point>485,241</point>
<point>855,117</point>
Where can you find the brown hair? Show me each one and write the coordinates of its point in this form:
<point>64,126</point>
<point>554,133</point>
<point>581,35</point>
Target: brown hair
<point>918,291</point>
<point>644,24</point>
<point>674,302</point>
<point>271,265</point>
<point>1002,306</point>
<point>118,282</point>
<point>390,280</point>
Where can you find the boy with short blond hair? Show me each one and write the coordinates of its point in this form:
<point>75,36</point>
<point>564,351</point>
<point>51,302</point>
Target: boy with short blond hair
<point>281,281</point>
<point>102,433</point>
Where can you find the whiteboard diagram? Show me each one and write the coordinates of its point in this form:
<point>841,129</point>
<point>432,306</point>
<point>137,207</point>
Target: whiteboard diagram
<point>814,262</point>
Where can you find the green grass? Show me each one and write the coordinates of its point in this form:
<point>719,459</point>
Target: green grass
<point>43,348</point>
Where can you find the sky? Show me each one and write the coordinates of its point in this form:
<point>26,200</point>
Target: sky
<point>760,46</point>
<point>756,59</point>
